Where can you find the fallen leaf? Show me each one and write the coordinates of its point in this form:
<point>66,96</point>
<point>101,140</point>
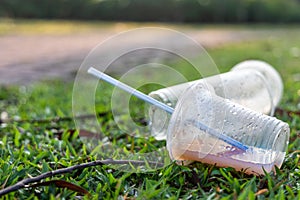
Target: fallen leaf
<point>63,184</point>
<point>262,191</point>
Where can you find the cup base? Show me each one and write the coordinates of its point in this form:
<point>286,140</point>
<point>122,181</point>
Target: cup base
<point>246,167</point>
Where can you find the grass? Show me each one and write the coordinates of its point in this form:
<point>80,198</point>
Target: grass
<point>29,148</point>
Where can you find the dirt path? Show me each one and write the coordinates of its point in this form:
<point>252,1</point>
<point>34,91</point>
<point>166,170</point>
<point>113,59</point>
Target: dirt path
<point>28,58</point>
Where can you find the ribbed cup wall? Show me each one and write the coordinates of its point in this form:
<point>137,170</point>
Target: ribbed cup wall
<point>265,137</point>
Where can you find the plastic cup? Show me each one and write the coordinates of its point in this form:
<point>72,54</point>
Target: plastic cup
<point>265,137</point>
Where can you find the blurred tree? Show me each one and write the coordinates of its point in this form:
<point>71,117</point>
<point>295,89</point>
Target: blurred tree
<point>220,11</point>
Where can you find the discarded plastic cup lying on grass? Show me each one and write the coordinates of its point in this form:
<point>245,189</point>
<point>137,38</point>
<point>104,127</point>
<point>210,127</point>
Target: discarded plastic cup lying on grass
<point>207,128</point>
<point>265,137</point>
<point>253,84</point>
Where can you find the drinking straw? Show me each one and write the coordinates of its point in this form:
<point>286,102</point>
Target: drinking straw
<point>168,109</point>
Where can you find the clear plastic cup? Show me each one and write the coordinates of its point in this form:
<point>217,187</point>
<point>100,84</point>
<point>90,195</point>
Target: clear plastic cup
<point>253,84</point>
<point>265,137</point>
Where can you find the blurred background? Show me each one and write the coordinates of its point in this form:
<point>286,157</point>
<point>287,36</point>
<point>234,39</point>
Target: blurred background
<point>199,11</point>
<point>49,39</point>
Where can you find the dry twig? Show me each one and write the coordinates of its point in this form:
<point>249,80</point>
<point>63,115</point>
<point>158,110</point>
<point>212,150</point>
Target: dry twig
<point>24,183</point>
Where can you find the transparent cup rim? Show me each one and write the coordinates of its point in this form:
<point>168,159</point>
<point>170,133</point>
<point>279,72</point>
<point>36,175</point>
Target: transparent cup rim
<point>203,86</point>
<point>283,129</point>
<point>275,76</point>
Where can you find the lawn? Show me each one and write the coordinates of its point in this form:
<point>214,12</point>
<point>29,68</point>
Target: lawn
<point>37,135</point>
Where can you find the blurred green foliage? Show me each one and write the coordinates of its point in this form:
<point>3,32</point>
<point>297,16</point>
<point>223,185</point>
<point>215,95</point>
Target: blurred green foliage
<point>219,11</point>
